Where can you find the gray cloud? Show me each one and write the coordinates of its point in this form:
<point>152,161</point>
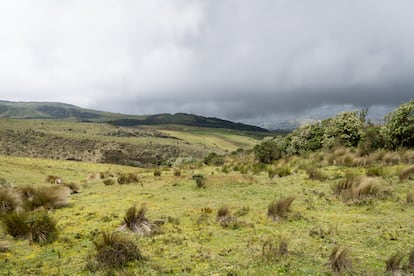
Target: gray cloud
<point>239,59</point>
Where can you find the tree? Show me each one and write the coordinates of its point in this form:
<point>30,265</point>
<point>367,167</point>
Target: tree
<point>399,126</point>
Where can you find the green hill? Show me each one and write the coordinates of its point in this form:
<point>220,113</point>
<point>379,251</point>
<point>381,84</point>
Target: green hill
<point>62,111</point>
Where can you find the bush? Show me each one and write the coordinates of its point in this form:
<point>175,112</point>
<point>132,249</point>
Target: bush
<point>372,139</point>
<point>200,180</point>
<point>9,201</point>
<point>270,150</point>
<point>214,159</point>
<point>48,197</point>
<point>109,182</point>
<point>278,208</point>
<point>114,251</point>
<point>343,129</point>
<point>399,126</point>
<point>339,260</point>
<point>306,138</point>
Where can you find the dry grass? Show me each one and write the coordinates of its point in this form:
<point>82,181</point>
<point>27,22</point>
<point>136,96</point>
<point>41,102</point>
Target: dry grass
<point>410,197</point>
<point>137,221</point>
<point>225,218</point>
<point>278,209</point>
<point>316,174</point>
<point>271,250</point>
<point>391,158</point>
<point>73,187</point>
<point>406,173</point>
<point>9,200</point>
<point>15,224</point>
<point>408,156</point>
<point>357,188</point>
<point>48,197</point>
<point>128,178</point>
<point>339,260</point>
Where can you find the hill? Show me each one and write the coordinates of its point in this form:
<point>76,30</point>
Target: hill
<point>62,111</point>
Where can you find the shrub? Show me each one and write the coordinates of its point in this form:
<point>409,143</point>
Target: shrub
<point>214,159</point>
<point>200,180</point>
<point>109,182</point>
<point>372,139</point>
<point>394,262</point>
<point>279,208</point>
<point>306,138</point>
<point>406,172</point>
<point>114,250</point>
<point>399,126</point>
<point>15,224</point>
<point>136,221</point>
<point>270,150</point>
<point>42,228</point>
<point>48,197</point>
<point>9,201</point>
<point>343,129</point>
<point>339,260</point>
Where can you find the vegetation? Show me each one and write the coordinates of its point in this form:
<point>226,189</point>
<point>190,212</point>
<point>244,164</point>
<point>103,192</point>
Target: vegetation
<point>278,209</point>
<point>339,260</point>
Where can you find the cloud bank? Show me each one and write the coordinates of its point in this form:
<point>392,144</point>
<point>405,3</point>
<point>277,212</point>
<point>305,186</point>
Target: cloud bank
<point>237,59</point>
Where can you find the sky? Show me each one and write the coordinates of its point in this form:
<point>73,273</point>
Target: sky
<point>259,62</point>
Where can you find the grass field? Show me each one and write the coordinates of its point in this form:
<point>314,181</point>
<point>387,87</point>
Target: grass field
<point>192,241</point>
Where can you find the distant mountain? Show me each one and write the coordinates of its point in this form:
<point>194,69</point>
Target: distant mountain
<point>62,111</point>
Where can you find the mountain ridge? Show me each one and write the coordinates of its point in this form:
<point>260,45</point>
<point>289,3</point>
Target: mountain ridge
<point>64,111</point>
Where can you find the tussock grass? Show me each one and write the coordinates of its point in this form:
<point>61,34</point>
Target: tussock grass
<point>9,200</point>
<point>376,171</point>
<point>354,188</point>
<point>200,180</point>
<point>339,260</point>
<point>225,218</point>
<point>408,156</point>
<point>406,173</point>
<point>108,182</point>
<point>137,221</point>
<point>391,158</point>
<point>157,172</point>
<point>316,174</point>
<point>37,226</point>
<point>128,178</point>
<point>411,261</point>
<point>410,197</point>
<point>272,250</point>
<point>393,263</point>
<point>53,179</point>
<point>114,250</point>
<point>177,172</point>
<point>15,224</point>
<point>278,209</point>
<point>73,187</point>
<point>48,197</point>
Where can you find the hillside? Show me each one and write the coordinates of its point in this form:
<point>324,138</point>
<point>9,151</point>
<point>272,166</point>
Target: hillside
<point>62,111</point>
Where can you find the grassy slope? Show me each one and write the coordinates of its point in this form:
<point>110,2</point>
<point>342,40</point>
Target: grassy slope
<point>372,232</point>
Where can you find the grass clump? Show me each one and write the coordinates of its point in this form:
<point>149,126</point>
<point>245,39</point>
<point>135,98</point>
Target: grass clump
<point>271,250</point>
<point>355,188</point>
<point>73,187</point>
<point>53,179</point>
<point>278,209</point>
<point>114,251</point>
<point>225,218</point>
<point>37,226</point>
<point>410,197</point>
<point>339,260</point>
<point>108,182</point>
<point>177,172</point>
<point>411,261</point>
<point>200,180</point>
<point>375,171</point>
<point>128,178</point>
<point>316,174</point>
<point>393,263</point>
<point>157,172</point>
<point>136,221</point>
<point>406,173</point>
<point>48,197</point>
<point>9,201</point>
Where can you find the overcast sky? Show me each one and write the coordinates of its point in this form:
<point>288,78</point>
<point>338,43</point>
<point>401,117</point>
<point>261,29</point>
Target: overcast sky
<point>244,60</point>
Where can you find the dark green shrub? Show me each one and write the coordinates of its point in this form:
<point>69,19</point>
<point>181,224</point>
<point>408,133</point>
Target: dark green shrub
<point>344,128</point>
<point>270,150</point>
<point>200,180</point>
<point>214,159</point>
<point>114,251</point>
<point>9,201</point>
<point>399,126</point>
<point>372,139</point>
<point>279,208</point>
<point>339,260</point>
